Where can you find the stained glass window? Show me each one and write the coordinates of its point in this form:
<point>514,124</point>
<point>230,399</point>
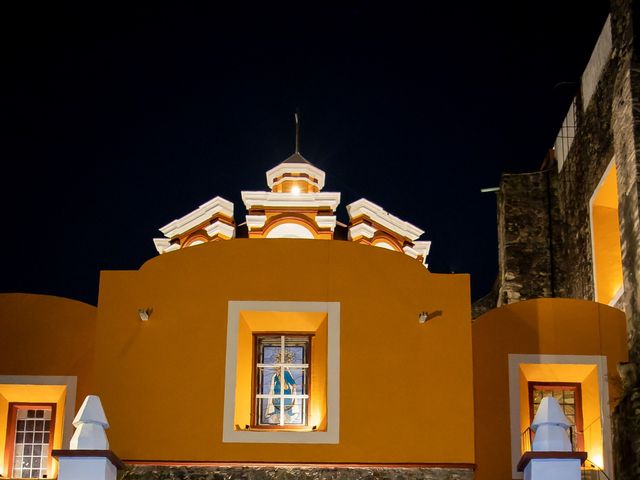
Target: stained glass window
<point>32,440</point>
<point>282,380</point>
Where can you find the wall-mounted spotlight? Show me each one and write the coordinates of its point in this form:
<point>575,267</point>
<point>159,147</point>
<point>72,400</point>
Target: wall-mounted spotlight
<point>144,313</point>
<point>423,317</point>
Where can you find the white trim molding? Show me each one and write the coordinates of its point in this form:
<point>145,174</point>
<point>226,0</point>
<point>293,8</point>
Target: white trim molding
<point>316,200</point>
<point>332,433</point>
<point>204,212</point>
<point>256,221</point>
<point>161,244</point>
<point>220,228</point>
<point>361,230</point>
<point>70,382</point>
<point>298,168</point>
<point>599,361</point>
<point>326,221</point>
<point>376,213</point>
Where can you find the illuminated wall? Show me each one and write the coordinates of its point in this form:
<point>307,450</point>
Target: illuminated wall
<point>49,359</point>
<point>605,237</point>
<point>558,340</point>
<point>405,388</point>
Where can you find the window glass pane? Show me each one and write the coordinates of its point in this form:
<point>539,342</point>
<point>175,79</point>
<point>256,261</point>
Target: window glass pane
<point>31,448</point>
<point>280,386</point>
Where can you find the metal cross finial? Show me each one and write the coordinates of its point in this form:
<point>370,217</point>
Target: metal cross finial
<point>297,117</point>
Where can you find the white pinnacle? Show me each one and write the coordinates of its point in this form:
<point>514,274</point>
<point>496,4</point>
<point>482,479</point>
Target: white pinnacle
<point>90,423</point>
<point>550,426</point>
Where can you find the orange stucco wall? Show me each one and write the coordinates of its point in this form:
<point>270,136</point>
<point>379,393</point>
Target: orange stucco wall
<point>542,326</point>
<point>406,388</point>
<point>46,335</point>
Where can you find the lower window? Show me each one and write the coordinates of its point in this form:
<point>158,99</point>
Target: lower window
<point>569,397</point>
<point>282,381</point>
<point>30,438</point>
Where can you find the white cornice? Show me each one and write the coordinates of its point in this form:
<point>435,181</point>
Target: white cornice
<point>422,247</point>
<point>161,244</point>
<point>361,230</point>
<point>172,247</point>
<point>220,228</point>
<point>307,168</point>
<point>379,215</point>
<point>256,221</point>
<point>204,212</point>
<point>326,221</point>
<point>291,200</point>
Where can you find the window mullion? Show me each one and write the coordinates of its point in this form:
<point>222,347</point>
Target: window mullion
<point>282,380</point>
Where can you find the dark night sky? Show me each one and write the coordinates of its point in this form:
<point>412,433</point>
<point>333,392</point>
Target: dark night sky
<point>116,121</point>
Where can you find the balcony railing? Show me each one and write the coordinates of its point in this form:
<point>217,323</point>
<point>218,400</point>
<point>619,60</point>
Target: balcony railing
<point>587,437</point>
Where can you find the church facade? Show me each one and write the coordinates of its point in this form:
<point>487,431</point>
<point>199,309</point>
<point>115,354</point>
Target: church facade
<point>284,343</point>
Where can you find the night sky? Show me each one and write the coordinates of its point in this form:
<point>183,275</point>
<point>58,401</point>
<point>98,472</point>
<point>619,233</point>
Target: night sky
<point>116,121</point>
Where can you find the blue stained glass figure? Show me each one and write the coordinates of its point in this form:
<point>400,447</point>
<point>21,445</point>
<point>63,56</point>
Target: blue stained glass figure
<point>289,389</point>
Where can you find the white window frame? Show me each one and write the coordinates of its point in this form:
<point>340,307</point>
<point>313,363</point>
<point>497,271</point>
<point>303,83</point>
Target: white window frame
<point>332,433</point>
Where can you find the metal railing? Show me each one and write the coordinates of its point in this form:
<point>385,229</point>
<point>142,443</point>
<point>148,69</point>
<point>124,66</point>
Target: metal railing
<point>590,470</point>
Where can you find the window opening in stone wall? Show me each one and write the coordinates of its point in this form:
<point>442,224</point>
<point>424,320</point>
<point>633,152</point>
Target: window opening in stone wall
<point>30,439</point>
<point>605,237</point>
<point>282,381</point>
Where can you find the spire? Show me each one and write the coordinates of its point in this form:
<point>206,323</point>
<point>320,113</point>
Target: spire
<point>297,119</point>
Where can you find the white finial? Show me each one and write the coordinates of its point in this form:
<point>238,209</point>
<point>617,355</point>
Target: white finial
<point>90,423</point>
<point>550,426</point>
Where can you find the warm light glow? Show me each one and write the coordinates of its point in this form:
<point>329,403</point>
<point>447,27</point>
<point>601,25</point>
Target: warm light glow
<point>598,461</point>
<point>607,262</point>
<point>295,190</point>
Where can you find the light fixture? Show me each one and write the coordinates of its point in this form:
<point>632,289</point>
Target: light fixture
<point>144,313</point>
<point>295,190</point>
<point>425,316</point>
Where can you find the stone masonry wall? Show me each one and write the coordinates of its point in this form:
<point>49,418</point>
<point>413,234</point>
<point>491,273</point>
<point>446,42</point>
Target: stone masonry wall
<point>608,129</point>
<point>292,473</point>
<point>524,237</point>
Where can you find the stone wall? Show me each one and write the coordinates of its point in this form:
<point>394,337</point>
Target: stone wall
<point>524,237</point>
<point>293,473</point>
<point>608,129</point>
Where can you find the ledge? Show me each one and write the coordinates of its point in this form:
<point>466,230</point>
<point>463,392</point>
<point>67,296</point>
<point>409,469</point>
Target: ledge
<point>528,456</point>
<point>108,454</point>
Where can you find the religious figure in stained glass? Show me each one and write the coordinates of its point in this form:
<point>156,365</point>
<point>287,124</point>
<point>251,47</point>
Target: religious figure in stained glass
<point>282,380</point>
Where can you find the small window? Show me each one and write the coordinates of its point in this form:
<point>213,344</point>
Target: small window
<point>569,397</point>
<point>30,439</point>
<point>282,381</point>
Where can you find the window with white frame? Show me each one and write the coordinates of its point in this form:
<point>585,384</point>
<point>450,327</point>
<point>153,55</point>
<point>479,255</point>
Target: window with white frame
<point>282,380</point>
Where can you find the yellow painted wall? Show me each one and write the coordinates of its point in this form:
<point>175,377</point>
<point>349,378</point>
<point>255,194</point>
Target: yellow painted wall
<point>542,326</point>
<point>162,381</point>
<point>4,414</point>
<point>605,230</point>
<point>591,418</point>
<point>44,336</point>
<point>47,336</point>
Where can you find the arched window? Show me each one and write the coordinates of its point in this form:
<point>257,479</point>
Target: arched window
<point>290,230</point>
